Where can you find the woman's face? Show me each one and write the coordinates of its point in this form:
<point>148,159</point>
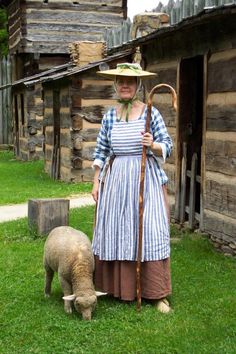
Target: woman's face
<point>126,87</point>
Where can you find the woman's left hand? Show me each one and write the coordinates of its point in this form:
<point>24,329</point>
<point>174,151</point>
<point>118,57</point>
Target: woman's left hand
<point>147,139</point>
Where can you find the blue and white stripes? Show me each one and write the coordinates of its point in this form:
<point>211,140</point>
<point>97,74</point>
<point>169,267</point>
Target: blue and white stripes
<point>117,226</point>
<point>104,147</point>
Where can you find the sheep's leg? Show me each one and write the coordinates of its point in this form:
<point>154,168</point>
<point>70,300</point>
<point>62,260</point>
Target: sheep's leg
<point>49,273</point>
<point>67,290</point>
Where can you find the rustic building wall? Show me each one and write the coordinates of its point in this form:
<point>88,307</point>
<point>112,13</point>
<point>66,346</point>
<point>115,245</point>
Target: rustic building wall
<point>220,188</point>
<point>166,73</point>
<point>47,26</point>
<point>91,97</point>
<point>28,118</point>
<point>164,56</point>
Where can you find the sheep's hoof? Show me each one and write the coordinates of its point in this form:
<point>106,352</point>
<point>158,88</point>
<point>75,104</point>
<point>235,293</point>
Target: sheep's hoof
<point>68,310</point>
<point>163,306</point>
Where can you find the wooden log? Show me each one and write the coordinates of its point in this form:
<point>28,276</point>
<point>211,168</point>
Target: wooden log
<point>65,174</point>
<point>170,172</point>
<point>66,156</point>
<point>59,15</point>
<point>89,134</point>
<point>46,214</point>
<point>221,153</point>
<point>87,151</point>
<point>84,52</point>
<point>168,114</point>
<point>220,195</point>
<point>85,175</point>
<point>95,92</point>
<point>221,118</point>
<point>183,183</point>
<point>92,114</point>
<point>168,76</point>
<point>221,226</point>
<point>77,122</point>
<point>67,6</point>
<point>65,138</point>
<point>221,76</point>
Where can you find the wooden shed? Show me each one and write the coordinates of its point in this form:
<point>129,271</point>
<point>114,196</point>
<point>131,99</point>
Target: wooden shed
<point>39,35</point>
<point>74,103</point>
<point>198,58</point>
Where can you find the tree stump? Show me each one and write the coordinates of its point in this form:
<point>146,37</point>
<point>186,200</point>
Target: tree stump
<point>46,214</point>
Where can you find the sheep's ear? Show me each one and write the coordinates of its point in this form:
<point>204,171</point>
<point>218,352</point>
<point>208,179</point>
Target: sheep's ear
<point>99,293</point>
<point>69,297</point>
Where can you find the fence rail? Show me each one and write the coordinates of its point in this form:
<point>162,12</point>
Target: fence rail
<point>5,102</point>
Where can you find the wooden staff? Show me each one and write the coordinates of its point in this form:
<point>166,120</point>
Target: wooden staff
<point>143,167</point>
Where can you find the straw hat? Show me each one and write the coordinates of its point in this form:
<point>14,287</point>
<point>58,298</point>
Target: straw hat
<point>126,69</point>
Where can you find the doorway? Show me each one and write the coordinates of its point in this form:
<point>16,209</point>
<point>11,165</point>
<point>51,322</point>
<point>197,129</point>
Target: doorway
<point>190,138</point>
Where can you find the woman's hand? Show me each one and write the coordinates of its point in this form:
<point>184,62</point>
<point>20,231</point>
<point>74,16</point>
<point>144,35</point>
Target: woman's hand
<point>147,139</point>
<point>95,190</point>
<point>96,183</point>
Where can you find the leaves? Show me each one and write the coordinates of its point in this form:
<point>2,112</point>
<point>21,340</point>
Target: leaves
<point>3,33</point>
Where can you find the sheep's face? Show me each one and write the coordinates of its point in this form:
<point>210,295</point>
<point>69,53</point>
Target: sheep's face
<point>85,305</point>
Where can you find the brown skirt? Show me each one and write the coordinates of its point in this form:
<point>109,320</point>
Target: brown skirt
<point>118,278</point>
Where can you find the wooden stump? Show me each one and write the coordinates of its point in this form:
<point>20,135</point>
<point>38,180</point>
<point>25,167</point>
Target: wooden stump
<point>46,214</point>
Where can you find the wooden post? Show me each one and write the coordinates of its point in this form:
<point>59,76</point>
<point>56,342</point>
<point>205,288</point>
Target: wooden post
<point>46,214</point>
<point>192,194</point>
<point>183,183</point>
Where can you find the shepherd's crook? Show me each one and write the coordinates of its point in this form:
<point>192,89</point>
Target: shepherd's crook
<point>143,167</point>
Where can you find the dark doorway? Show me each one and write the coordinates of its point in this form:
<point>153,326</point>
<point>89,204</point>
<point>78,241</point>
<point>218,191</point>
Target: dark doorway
<point>190,137</point>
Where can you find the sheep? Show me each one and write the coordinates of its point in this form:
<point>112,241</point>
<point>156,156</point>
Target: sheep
<point>68,252</point>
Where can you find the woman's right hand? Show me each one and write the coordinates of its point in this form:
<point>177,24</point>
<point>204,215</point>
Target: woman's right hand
<point>95,190</point>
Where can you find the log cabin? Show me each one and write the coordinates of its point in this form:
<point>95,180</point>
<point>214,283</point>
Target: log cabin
<point>198,58</point>
<point>39,35</point>
<point>75,100</point>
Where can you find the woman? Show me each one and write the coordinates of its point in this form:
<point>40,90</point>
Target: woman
<point>116,190</point>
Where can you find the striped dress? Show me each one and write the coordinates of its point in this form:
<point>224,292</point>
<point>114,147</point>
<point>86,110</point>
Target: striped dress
<point>117,226</point>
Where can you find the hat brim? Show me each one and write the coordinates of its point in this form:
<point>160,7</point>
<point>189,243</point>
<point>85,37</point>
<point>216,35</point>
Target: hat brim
<point>111,74</point>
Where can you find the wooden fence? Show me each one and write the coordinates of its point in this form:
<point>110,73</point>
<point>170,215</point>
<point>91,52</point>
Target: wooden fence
<point>176,9</point>
<point>5,102</point>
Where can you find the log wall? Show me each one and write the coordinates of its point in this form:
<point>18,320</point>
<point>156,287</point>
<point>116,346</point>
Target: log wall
<point>48,26</point>
<point>91,97</point>
<point>220,162</point>
<point>28,119</point>
<point>162,55</point>
<point>166,73</point>
<point>14,25</point>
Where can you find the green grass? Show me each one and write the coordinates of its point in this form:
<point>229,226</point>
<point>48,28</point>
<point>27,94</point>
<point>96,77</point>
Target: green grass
<point>204,302</point>
<point>21,181</point>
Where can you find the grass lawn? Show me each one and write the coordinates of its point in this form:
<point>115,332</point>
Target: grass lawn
<point>204,303</point>
<point>21,181</point>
